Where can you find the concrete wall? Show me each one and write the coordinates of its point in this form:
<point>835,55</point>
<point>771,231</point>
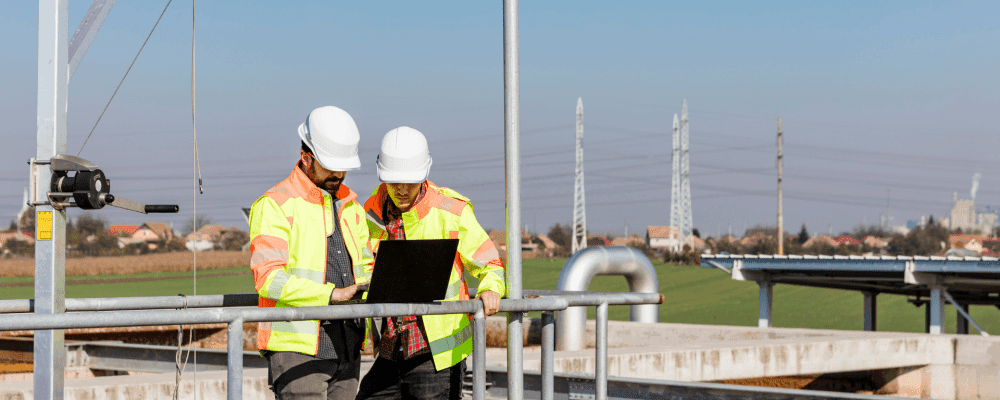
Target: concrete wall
<point>906,364</point>
<point>211,386</point>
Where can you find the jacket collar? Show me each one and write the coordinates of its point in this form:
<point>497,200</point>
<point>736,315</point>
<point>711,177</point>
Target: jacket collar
<point>314,194</point>
<point>376,203</point>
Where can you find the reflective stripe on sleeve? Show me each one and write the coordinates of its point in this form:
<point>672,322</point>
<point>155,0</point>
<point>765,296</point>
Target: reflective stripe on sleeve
<point>315,276</point>
<point>454,290</point>
<point>260,256</point>
<point>277,284</point>
<point>447,343</point>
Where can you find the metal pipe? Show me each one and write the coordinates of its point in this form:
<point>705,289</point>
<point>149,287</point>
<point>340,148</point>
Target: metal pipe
<point>234,370</point>
<point>479,356</point>
<point>574,298</point>
<point>600,260</point>
<point>255,314</point>
<point>512,163</point>
<point>548,355</point>
<point>601,353</point>
<point>137,303</point>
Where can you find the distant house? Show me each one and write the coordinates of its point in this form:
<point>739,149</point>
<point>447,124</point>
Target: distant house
<point>663,237</point>
<point>626,241</point>
<point>597,238</point>
<point>150,233</point>
<point>876,242</point>
<point>127,230</point>
<point>548,243</point>
<point>208,237</point>
<point>821,239</point>
<point>846,239</point>
<point>22,236</point>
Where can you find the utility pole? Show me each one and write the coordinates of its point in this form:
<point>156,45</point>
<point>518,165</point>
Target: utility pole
<point>781,218</point>
<point>686,225</point>
<point>675,176</point>
<point>579,198</point>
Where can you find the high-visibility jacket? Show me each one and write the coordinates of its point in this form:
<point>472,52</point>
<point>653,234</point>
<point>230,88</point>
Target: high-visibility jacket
<point>445,214</point>
<point>289,226</point>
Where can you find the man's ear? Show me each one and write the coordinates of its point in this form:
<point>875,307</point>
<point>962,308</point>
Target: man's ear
<point>305,159</point>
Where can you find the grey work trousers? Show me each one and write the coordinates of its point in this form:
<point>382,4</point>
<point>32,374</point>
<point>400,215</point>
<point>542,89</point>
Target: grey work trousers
<point>297,376</point>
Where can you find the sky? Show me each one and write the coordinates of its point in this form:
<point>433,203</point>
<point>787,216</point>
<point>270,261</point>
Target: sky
<point>886,107</point>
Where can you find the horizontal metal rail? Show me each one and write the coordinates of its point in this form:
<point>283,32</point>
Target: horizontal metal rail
<point>234,310</point>
<point>137,303</point>
<point>255,314</point>
<point>250,300</point>
<point>581,298</point>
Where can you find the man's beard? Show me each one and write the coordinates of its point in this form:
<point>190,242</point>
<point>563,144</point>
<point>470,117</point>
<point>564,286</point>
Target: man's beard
<point>331,185</point>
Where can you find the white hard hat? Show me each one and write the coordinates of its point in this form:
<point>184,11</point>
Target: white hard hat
<point>333,137</point>
<point>404,157</point>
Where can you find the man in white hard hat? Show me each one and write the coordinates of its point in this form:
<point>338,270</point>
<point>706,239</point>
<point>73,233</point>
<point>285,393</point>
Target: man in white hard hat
<point>309,247</point>
<point>423,357</point>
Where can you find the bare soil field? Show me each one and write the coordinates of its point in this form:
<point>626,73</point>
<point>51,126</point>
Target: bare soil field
<point>164,262</point>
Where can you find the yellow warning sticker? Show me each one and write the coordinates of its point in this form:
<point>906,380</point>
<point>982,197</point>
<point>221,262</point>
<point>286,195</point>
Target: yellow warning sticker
<point>43,222</point>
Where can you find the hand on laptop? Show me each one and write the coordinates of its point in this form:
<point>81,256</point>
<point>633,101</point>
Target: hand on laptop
<point>343,294</point>
<point>491,302</point>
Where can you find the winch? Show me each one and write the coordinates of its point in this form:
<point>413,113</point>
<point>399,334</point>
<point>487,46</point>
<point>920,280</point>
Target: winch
<point>81,181</point>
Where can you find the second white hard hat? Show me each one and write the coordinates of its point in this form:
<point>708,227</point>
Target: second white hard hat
<point>404,157</point>
<point>333,137</point>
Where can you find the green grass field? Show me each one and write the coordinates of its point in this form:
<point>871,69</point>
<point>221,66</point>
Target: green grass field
<point>693,296</point>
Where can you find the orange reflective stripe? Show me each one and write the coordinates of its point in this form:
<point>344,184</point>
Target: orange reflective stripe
<point>486,253</point>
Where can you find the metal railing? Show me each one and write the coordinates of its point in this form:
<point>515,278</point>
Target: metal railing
<point>234,310</point>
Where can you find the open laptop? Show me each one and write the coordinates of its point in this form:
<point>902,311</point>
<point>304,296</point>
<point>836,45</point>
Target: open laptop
<point>412,271</point>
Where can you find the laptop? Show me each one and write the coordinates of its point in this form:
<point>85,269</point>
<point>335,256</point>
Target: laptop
<point>412,271</point>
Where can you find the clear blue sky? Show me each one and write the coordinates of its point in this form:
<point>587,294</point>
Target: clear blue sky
<point>878,99</point>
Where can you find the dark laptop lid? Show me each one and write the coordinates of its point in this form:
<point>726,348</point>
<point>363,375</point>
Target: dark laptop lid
<point>412,271</point>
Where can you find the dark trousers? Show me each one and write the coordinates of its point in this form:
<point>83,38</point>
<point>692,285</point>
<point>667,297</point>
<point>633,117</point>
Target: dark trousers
<point>415,378</point>
<point>295,376</point>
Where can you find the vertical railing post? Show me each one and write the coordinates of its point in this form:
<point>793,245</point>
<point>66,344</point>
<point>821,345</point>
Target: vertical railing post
<point>601,356</point>
<point>234,367</point>
<point>479,356</point>
<point>512,179</point>
<point>50,222</point>
<point>548,355</point>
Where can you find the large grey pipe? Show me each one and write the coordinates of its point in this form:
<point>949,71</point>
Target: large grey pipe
<point>599,260</point>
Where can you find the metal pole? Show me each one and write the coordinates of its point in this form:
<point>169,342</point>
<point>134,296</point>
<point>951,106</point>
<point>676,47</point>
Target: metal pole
<point>937,311</point>
<point>479,356</point>
<point>234,368</point>
<point>871,311</point>
<point>512,147</point>
<point>50,224</point>
<point>765,297</point>
<point>548,355</point>
<point>601,362</point>
<point>781,218</point>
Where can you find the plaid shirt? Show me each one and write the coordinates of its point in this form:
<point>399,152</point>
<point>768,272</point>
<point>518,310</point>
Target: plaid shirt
<point>402,332</point>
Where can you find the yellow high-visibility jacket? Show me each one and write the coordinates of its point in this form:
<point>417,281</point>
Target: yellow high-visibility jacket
<point>445,214</point>
<point>289,226</point>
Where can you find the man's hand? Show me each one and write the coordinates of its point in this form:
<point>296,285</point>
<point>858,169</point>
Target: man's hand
<point>343,294</point>
<point>491,302</point>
